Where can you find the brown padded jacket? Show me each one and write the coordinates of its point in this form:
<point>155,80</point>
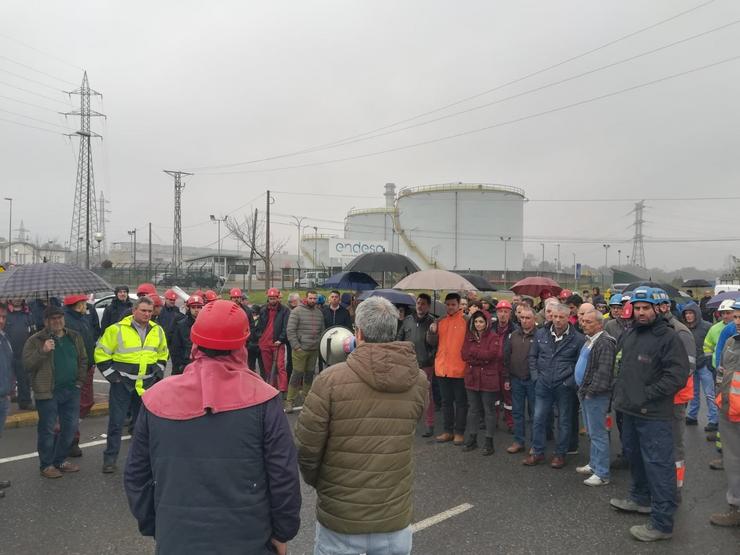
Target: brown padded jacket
<point>355,438</point>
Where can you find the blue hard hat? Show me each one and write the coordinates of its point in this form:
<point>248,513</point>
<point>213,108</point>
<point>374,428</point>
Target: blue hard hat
<point>615,299</point>
<point>736,306</point>
<point>651,295</point>
<point>321,299</point>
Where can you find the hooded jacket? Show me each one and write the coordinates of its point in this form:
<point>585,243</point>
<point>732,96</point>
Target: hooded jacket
<point>484,357</point>
<point>212,466</point>
<point>355,438</point>
<point>114,312</point>
<point>654,366</point>
<point>415,329</point>
<point>699,329</point>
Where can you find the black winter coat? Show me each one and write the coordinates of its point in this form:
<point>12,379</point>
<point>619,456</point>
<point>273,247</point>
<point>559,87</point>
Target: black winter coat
<point>168,319</point>
<point>18,328</point>
<point>81,324</point>
<point>222,483</point>
<point>338,317</point>
<point>654,366</point>
<point>114,312</point>
<point>181,344</point>
<point>279,326</point>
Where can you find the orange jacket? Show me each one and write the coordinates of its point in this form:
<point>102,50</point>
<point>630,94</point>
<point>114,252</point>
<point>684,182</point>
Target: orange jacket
<point>450,339</point>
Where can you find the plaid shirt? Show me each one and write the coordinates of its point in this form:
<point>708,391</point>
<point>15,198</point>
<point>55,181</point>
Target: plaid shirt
<point>599,376</point>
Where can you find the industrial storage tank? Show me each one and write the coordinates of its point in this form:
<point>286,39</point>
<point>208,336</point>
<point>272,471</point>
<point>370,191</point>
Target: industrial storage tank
<point>374,224</point>
<point>462,226</point>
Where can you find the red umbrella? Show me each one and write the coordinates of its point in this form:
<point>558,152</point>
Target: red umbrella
<point>534,286</point>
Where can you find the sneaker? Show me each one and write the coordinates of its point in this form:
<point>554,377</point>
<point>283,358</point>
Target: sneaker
<point>595,481</point>
<point>515,448</point>
<point>711,427</point>
<point>68,467</point>
<point>109,468</point>
<point>730,518</point>
<point>573,451</point>
<point>629,506</point>
<point>51,472</point>
<point>584,469</point>
<point>717,464</point>
<point>691,421</point>
<point>646,533</point>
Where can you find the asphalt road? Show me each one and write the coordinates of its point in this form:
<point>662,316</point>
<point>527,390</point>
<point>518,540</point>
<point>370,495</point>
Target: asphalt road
<point>515,509</point>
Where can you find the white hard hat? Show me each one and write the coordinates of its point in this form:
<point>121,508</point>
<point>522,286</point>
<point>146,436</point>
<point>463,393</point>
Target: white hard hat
<point>727,305</point>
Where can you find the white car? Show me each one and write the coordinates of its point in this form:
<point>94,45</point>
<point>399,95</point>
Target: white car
<point>102,302</point>
<point>311,279</point>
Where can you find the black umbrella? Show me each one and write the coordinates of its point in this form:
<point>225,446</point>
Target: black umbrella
<point>672,291</point>
<point>393,295</point>
<point>49,280</point>
<point>696,283</point>
<point>356,281</point>
<point>481,283</point>
<point>382,262</point>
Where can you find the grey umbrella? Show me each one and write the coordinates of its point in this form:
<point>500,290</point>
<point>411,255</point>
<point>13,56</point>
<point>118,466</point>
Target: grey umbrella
<point>49,280</point>
<point>382,262</point>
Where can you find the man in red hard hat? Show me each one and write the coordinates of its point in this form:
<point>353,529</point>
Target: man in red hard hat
<point>210,295</point>
<point>170,315</point>
<point>146,290</point>
<point>181,345</point>
<point>503,327</point>
<point>75,318</point>
<point>272,329</point>
<point>217,424</point>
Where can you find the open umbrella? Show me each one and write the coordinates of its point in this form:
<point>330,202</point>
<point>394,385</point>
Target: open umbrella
<point>435,280</point>
<point>382,262</point>
<point>534,286</point>
<point>49,280</point>
<point>394,296</point>
<point>696,283</point>
<point>672,291</point>
<point>715,301</point>
<point>481,283</point>
<point>356,281</point>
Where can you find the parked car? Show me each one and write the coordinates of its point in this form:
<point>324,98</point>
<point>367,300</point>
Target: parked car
<point>311,279</point>
<point>102,302</point>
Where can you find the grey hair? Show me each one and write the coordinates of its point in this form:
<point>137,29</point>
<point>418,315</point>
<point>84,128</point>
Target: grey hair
<point>294,297</point>
<point>560,308</point>
<point>527,308</point>
<point>598,316</point>
<point>143,300</point>
<point>378,320</point>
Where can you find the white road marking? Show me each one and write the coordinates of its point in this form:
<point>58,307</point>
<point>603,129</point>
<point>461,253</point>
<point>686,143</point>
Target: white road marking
<point>436,519</point>
<point>35,454</point>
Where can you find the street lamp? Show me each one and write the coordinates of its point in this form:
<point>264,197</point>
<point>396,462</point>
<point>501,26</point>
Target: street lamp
<point>315,245</point>
<point>506,264</point>
<point>132,233</point>
<point>298,223</point>
<point>10,227</point>
<point>619,258</point>
<point>542,264</point>
<point>606,263</point>
<point>99,239</point>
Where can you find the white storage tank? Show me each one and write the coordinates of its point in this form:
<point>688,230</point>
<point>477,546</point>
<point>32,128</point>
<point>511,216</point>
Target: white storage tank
<point>459,226</point>
<point>371,224</point>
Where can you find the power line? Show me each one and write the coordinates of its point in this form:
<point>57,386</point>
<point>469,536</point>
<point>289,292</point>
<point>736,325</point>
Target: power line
<point>35,119</point>
<point>52,56</point>
<point>37,70</point>
<point>30,80</point>
<point>33,92</point>
<point>492,126</point>
<point>31,126</point>
<point>28,103</point>
<point>355,138</point>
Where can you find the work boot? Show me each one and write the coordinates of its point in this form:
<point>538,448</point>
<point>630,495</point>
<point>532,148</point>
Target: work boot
<point>470,445</point>
<point>458,440</point>
<point>691,421</point>
<point>109,468</point>
<point>487,450</point>
<point>717,464</point>
<point>443,437</point>
<point>730,518</point>
<point>74,450</point>
<point>646,533</point>
<point>515,448</point>
<point>711,427</point>
<point>711,437</point>
<point>557,462</point>
<point>429,432</point>
<point>51,472</point>
<point>629,506</point>
<point>533,460</point>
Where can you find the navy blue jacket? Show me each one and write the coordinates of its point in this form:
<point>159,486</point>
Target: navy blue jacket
<point>81,324</point>
<point>18,328</point>
<point>222,483</point>
<point>168,319</point>
<point>6,366</point>
<point>114,312</point>
<point>554,363</point>
<point>181,344</point>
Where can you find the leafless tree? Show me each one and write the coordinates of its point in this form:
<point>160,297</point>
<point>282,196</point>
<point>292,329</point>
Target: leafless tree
<point>244,230</point>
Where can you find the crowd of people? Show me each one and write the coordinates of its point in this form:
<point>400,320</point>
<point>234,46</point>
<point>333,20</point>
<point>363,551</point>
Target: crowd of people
<point>550,369</point>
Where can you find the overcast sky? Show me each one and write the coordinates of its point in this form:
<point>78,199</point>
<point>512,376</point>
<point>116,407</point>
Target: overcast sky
<point>193,84</point>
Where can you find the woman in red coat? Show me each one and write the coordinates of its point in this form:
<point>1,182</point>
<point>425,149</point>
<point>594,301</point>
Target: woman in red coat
<point>483,353</point>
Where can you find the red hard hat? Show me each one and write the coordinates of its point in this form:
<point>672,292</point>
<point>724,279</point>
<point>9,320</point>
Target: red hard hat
<point>146,289</point>
<point>70,300</point>
<point>564,294</point>
<point>236,293</point>
<point>198,293</point>
<point>210,296</point>
<point>170,295</point>
<point>626,311</point>
<point>220,325</point>
<point>505,305</point>
<point>195,300</point>
<point>273,292</point>
<point>156,299</point>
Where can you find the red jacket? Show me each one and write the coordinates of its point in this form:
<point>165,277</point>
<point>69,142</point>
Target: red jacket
<point>484,359</point>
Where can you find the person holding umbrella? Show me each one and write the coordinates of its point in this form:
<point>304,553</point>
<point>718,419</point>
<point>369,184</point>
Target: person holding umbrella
<point>6,379</point>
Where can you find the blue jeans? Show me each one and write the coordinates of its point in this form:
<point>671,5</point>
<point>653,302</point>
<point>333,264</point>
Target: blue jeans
<point>594,411</point>
<point>649,445</point>
<point>120,399</point>
<point>4,410</point>
<point>65,407</point>
<point>522,391</point>
<point>703,377</point>
<point>545,397</point>
<point>329,542</point>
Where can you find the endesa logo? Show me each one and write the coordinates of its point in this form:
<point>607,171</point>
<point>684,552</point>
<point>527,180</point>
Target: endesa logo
<point>355,248</point>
